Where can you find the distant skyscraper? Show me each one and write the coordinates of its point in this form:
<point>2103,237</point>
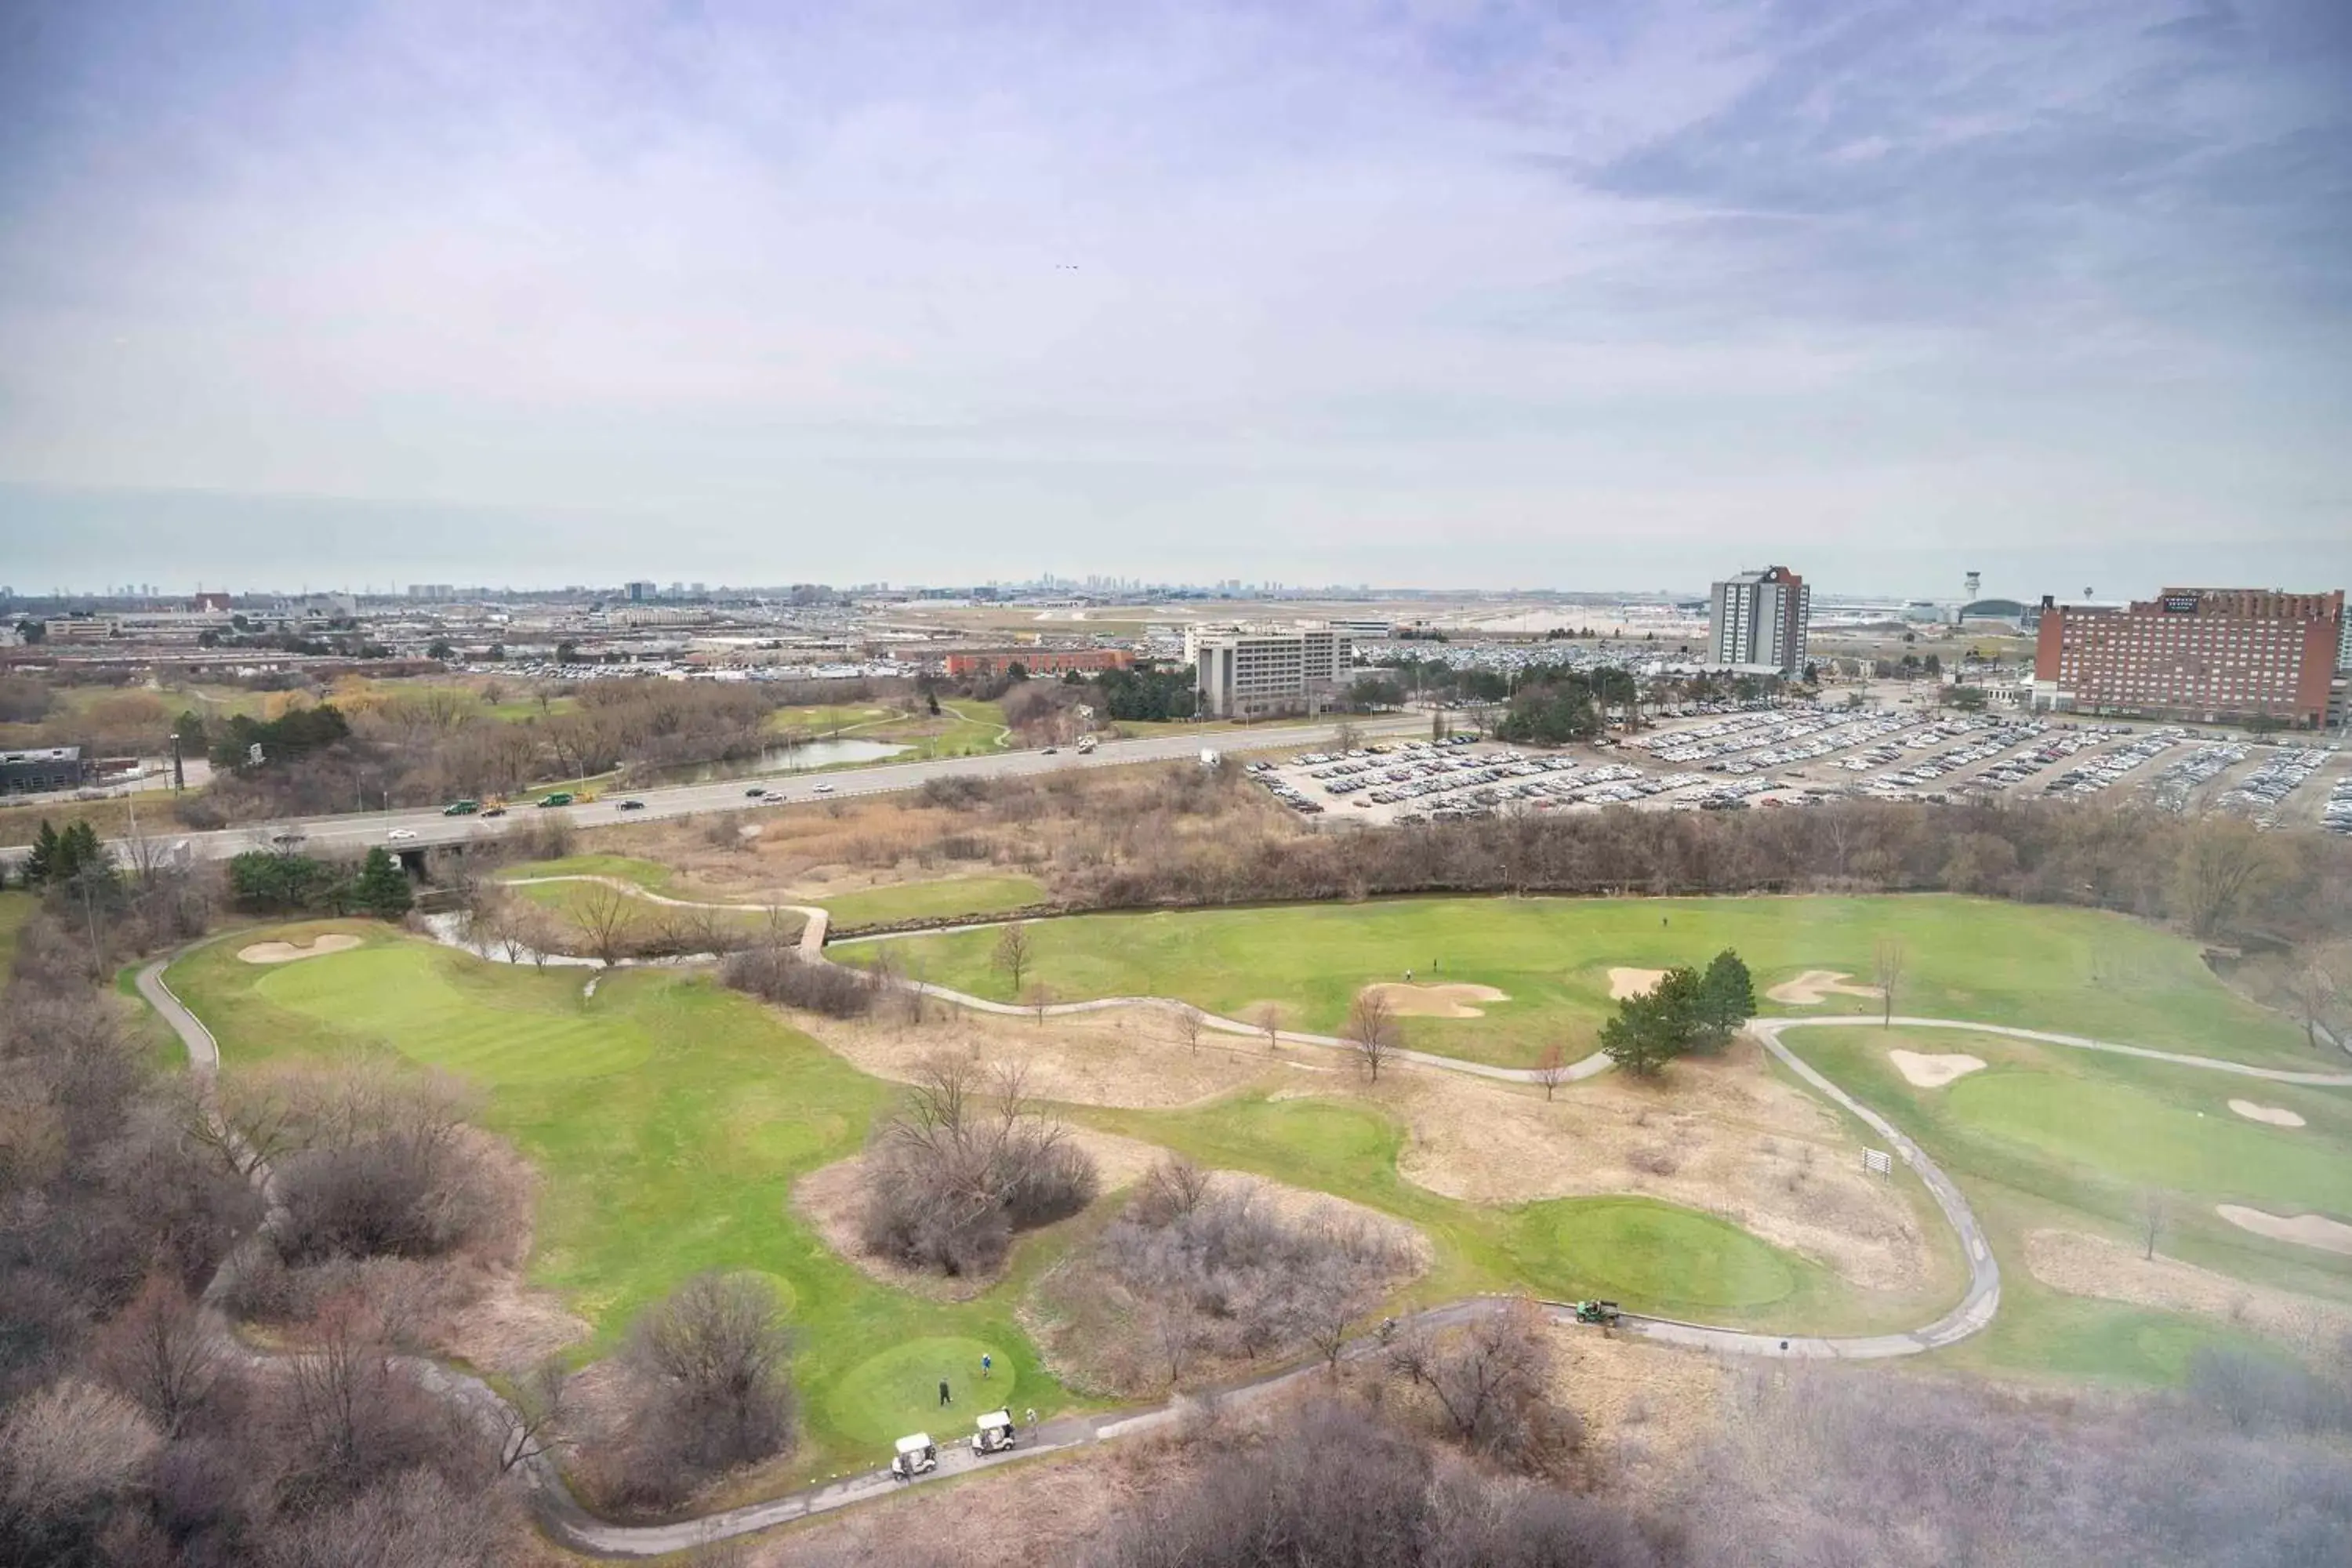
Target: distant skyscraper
<point>1762,619</point>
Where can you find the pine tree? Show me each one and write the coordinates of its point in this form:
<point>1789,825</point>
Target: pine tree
<point>41,865</point>
<point>382,889</point>
<point>1727,998</point>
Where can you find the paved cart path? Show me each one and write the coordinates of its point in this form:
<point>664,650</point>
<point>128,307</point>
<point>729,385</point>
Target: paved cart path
<point>568,1522</point>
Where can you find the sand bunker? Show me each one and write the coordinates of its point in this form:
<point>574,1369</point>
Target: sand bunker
<point>1817,986</point>
<point>2277,1116</point>
<point>1624,983</point>
<point>1933,1072</point>
<point>2303,1230</point>
<point>287,952</point>
<point>1435,1001</point>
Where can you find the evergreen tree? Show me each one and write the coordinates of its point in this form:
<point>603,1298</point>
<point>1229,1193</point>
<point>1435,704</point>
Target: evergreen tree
<point>1727,998</point>
<point>1652,1029</point>
<point>382,889</point>
<point>41,865</point>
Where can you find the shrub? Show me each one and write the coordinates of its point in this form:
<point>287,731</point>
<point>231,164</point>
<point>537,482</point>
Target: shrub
<point>780,974</point>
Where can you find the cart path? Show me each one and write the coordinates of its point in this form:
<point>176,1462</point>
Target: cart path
<point>565,1520</point>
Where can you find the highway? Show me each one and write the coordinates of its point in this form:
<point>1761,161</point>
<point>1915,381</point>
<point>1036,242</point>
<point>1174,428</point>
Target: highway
<point>351,831</point>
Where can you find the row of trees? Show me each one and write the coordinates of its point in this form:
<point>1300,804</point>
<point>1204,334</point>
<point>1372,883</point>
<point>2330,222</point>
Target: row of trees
<point>265,882</point>
<point>58,858</point>
<point>1685,1010</point>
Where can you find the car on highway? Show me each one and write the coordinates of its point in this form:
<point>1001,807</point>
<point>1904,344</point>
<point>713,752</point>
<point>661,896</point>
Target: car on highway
<point>756,791</point>
<point>633,805</point>
<point>825,789</point>
<point>1053,750</point>
<point>496,811</point>
<point>461,808</point>
<point>560,798</point>
<point>401,834</point>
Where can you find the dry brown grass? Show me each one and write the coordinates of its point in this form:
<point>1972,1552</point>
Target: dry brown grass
<point>1720,1134</point>
<point>1645,1407</point>
<point>2084,1265</point>
<point>1132,1057</point>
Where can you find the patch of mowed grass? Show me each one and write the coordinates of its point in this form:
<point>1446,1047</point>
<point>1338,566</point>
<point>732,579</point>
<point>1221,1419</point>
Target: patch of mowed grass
<point>2050,1138</point>
<point>2074,971</point>
<point>678,1160</point>
<point>920,900</point>
<point>1678,1262</point>
<point>651,875</point>
<point>896,1392</point>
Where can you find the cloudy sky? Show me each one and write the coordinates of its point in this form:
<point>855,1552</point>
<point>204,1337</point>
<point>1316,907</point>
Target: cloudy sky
<point>1623,293</point>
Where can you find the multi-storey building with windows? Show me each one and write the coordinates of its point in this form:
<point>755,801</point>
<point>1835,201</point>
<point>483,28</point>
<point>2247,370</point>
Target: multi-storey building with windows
<point>1241,672</point>
<point>2209,655</point>
<point>1759,620</point>
<point>985,662</point>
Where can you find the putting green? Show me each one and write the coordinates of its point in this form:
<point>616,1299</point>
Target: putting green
<point>2039,966</point>
<point>437,1008</point>
<point>1669,1260</point>
<point>887,1396</point>
<point>2140,1137</point>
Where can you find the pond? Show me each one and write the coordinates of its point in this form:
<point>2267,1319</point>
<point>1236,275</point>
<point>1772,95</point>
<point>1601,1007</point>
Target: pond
<point>774,759</point>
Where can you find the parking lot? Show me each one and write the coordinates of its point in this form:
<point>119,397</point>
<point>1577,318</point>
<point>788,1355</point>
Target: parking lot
<point>1785,757</point>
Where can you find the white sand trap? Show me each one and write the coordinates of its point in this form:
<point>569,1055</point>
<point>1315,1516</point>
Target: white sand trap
<point>1624,983</point>
<point>287,952</point>
<point>1435,1001</point>
<point>1933,1072</point>
<point>2277,1116</point>
<point>2303,1230</point>
<point>1818,985</point>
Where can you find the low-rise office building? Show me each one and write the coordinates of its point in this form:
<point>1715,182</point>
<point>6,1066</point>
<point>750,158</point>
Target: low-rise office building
<point>42,769</point>
<point>986,663</point>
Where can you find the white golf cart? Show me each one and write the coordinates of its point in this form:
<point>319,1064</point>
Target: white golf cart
<point>996,1434</point>
<point>916,1454</point>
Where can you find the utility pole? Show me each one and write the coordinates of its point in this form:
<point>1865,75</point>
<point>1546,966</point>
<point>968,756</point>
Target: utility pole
<point>179,777</point>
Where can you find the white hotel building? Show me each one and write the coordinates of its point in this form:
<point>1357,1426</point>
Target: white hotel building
<point>1243,672</point>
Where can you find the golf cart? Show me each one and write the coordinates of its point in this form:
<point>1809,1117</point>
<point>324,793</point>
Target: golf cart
<point>996,1434</point>
<point>1601,1312</point>
<point>916,1454</point>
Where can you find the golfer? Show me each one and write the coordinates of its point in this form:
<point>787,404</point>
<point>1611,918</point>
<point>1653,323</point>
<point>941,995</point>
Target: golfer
<point>985,1363</point>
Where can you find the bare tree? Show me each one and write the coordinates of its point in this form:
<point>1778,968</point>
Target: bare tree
<point>1039,1000</point>
<point>1551,1069</point>
<point>2313,990</point>
<point>1176,1331</point>
<point>1886,970</point>
<point>1371,1029</point>
<point>717,1355</point>
<point>2153,1215</point>
<point>1269,1018</point>
<point>1189,1025</point>
<point>529,1422</point>
<point>605,922</point>
<point>2224,863</point>
<point>1013,952</point>
<point>160,1352</point>
<point>1335,1294</point>
<point>1491,1379</point>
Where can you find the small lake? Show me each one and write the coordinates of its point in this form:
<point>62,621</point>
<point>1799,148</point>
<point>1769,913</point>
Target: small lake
<point>773,760</point>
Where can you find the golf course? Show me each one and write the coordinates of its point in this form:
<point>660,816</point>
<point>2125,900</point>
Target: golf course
<point>669,1118</point>
<point>2078,970</point>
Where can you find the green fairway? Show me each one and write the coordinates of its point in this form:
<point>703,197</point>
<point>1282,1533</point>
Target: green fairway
<point>2070,970</point>
<point>679,1156</point>
<point>2046,1137</point>
<point>917,900</point>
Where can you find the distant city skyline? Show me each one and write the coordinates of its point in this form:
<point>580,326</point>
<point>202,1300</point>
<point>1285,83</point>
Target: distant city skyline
<point>1611,296</point>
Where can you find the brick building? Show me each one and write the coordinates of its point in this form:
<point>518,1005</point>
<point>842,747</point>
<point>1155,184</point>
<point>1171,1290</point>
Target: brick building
<point>2211,654</point>
<point>987,662</point>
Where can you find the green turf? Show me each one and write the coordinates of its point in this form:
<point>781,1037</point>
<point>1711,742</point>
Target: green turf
<point>650,874</point>
<point>1676,1262</point>
<point>2071,970</point>
<point>681,1161</point>
<point>2046,1137</point>
<point>947,896</point>
<point>897,1392</point>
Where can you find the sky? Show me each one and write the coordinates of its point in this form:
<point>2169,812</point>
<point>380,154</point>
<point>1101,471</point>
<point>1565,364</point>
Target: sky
<point>1624,294</point>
